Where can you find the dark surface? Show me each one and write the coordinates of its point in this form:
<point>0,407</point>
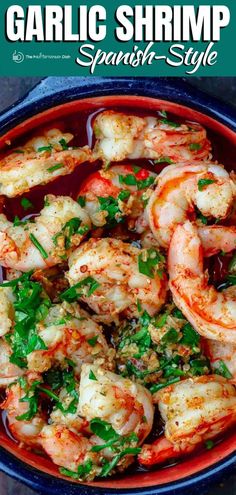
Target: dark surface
<point>14,88</point>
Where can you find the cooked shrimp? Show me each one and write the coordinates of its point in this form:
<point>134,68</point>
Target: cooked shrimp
<point>217,238</point>
<point>6,310</point>
<point>211,313</point>
<point>126,405</point>
<point>68,332</point>
<point>60,226</point>
<point>222,357</point>
<point>120,282</point>
<point>67,448</point>
<point>194,410</point>
<point>9,372</point>
<point>41,160</point>
<point>182,187</point>
<point>120,136</point>
<point>124,186</point>
<point>25,431</point>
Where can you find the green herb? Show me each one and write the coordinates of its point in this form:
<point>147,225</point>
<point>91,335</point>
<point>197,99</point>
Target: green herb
<point>123,195</point>
<point>93,341</point>
<point>155,388</point>
<point>63,144</point>
<point>40,248</point>
<point>195,146</point>
<point>82,471</point>
<point>222,369</point>
<point>45,148</point>
<point>92,376</point>
<point>148,262</point>
<point>72,227</point>
<point>17,222</point>
<point>164,159</point>
<point>55,167</point>
<point>17,151</point>
<point>46,201</point>
<point>162,113</point>
<point>103,430</point>
<point>26,204</point>
<point>209,444</point>
<point>190,336</point>
<point>232,279</point>
<point>203,183</point>
<point>203,219</point>
<point>161,320</point>
<point>198,366</point>
<point>110,465</point>
<point>169,122</point>
<point>85,288</point>
<point>232,264</point>
<point>170,337</point>
<point>131,180</point>
<point>178,314</point>
<point>111,206</point>
<point>32,398</point>
<point>81,200</point>
<point>106,164</point>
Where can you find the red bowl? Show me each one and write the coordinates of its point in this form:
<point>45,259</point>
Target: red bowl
<point>191,469</point>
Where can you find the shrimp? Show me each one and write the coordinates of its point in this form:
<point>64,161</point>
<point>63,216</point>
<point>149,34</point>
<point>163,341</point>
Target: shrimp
<point>68,449</point>
<point>182,187</point>
<point>41,160</point>
<point>217,238</point>
<point>126,405</point>
<point>211,313</point>
<point>9,372</point>
<point>112,195</point>
<point>222,357</point>
<point>26,431</point>
<point>60,226</point>
<point>68,332</point>
<point>194,410</point>
<point>121,278</point>
<point>6,310</point>
<point>120,136</point>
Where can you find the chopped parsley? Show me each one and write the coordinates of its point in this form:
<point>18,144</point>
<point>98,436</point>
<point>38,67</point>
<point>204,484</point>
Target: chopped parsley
<point>164,159</point>
<point>131,180</point>
<point>203,183</point>
<point>93,341</point>
<point>209,444</point>
<point>92,376</point>
<point>26,204</point>
<point>82,201</point>
<point>220,368</point>
<point>158,386</point>
<point>45,148</point>
<point>63,144</point>
<point>195,146</point>
<point>169,122</point>
<point>85,288</point>
<point>72,227</point>
<point>57,166</point>
<point>82,473</point>
<point>190,336</point>
<point>149,262</point>
<point>112,207</point>
<point>38,246</point>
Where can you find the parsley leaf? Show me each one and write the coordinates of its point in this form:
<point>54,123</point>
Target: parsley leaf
<point>203,183</point>
<point>195,146</point>
<point>82,473</point>
<point>85,288</point>
<point>220,368</point>
<point>148,262</point>
<point>26,204</point>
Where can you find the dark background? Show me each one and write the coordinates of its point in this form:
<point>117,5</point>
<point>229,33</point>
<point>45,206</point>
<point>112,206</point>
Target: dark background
<point>13,88</point>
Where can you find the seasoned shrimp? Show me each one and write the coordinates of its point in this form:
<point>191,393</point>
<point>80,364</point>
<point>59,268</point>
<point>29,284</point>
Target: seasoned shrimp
<point>126,405</point>
<point>6,310</point>
<point>121,275</point>
<point>194,411</point>
<point>24,430</point>
<point>9,372</point>
<point>39,161</point>
<point>68,449</point>
<point>60,227</point>
<point>111,195</point>
<point>217,238</point>
<point>211,313</point>
<point>182,187</point>
<point>120,136</point>
<point>222,357</point>
<point>68,332</point>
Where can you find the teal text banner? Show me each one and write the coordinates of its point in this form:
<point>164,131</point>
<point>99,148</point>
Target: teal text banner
<point>71,38</point>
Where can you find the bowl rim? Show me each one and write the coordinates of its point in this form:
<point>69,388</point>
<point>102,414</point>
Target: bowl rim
<point>18,113</point>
